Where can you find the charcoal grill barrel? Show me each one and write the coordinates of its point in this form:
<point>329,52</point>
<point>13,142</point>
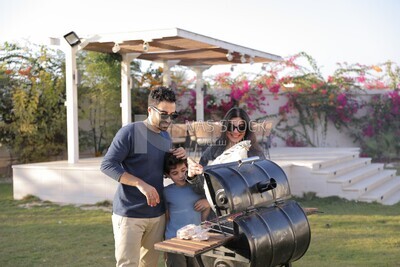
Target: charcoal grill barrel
<point>272,230</point>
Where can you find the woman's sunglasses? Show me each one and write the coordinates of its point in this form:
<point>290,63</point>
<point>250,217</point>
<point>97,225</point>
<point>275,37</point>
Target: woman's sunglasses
<point>240,128</point>
<point>165,116</point>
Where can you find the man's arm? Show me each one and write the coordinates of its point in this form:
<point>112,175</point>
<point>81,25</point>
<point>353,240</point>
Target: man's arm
<point>152,196</point>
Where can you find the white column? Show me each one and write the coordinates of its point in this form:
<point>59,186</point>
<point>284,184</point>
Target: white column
<point>166,74</point>
<point>72,104</point>
<point>167,65</point>
<point>126,104</point>
<point>199,92</point>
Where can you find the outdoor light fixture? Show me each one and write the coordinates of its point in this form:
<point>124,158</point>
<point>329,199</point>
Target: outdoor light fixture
<point>146,46</point>
<point>243,59</point>
<point>72,39</point>
<point>116,48</point>
<point>232,68</point>
<point>229,56</point>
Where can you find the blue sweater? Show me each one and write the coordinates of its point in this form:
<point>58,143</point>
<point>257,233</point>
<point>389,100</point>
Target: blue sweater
<point>139,151</point>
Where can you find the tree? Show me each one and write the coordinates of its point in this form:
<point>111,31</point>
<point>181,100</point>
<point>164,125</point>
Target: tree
<point>32,88</point>
<point>99,95</point>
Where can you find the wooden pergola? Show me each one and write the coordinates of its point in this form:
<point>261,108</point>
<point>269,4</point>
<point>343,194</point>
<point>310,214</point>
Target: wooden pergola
<point>168,46</point>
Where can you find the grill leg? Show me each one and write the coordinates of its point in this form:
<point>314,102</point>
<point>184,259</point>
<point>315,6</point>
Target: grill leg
<point>199,260</point>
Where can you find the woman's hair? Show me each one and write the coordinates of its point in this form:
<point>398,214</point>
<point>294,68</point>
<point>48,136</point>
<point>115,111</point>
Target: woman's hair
<point>160,94</point>
<point>171,161</point>
<point>249,135</point>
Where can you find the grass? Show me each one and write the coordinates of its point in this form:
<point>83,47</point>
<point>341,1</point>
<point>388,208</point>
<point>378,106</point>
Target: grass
<point>350,233</point>
<point>52,235</point>
<point>347,234</point>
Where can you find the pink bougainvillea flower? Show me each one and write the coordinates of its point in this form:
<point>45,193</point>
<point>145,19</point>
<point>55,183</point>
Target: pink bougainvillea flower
<point>222,76</point>
<point>369,131</point>
<point>236,93</point>
<point>269,81</point>
<point>361,79</point>
<point>251,105</point>
<point>285,108</point>
<point>246,86</point>
<point>395,101</point>
<point>275,88</point>
<point>342,99</point>
<point>381,85</point>
<point>376,85</point>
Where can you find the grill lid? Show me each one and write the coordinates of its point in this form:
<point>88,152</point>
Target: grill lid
<point>243,185</point>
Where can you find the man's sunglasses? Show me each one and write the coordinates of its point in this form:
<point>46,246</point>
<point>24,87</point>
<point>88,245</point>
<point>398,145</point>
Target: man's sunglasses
<point>164,115</point>
<point>241,127</point>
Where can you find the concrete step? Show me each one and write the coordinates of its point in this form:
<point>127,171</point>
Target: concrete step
<point>382,192</point>
<point>393,198</point>
<point>343,168</point>
<point>358,174</point>
<point>355,190</point>
<point>329,161</point>
<point>338,172</point>
<point>298,152</point>
<point>316,159</point>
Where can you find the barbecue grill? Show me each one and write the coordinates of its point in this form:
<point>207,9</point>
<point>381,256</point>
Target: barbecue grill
<point>251,200</point>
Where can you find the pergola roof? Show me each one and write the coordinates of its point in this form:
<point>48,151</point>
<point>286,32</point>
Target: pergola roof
<point>187,48</point>
<point>169,47</point>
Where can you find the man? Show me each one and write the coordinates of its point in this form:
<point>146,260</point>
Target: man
<point>135,159</point>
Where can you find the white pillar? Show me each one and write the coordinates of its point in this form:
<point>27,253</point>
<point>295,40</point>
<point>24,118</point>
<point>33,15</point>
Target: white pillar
<point>126,104</point>
<point>199,92</point>
<point>167,65</point>
<point>72,104</point>
<point>166,74</point>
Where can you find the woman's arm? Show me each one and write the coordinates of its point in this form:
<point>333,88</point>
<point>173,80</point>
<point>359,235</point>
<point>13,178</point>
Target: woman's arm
<point>195,176</point>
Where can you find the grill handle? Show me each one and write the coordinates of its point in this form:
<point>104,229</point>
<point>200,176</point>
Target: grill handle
<point>247,161</point>
<point>266,185</point>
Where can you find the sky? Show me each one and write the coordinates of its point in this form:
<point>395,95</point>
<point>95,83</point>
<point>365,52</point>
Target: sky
<point>331,31</point>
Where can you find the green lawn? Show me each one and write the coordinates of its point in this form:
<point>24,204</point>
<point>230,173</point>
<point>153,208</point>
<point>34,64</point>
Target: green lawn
<point>350,233</point>
<point>345,234</point>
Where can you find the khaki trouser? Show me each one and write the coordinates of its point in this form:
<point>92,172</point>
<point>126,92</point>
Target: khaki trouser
<point>135,239</point>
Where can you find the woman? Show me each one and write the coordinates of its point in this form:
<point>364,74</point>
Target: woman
<point>236,127</point>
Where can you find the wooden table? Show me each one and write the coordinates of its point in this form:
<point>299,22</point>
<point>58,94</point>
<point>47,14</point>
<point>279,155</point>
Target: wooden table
<point>192,248</point>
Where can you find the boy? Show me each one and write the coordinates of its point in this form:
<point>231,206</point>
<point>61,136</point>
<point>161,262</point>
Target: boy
<point>183,206</point>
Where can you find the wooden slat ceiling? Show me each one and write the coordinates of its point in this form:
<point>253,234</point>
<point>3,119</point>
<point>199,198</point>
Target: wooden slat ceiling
<point>188,48</point>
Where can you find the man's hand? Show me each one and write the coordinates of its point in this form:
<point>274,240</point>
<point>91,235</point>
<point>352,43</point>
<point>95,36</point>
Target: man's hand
<point>179,152</point>
<point>150,192</point>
